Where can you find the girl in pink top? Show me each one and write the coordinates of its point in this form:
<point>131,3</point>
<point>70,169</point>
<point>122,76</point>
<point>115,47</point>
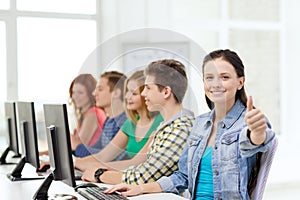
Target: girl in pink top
<point>90,119</point>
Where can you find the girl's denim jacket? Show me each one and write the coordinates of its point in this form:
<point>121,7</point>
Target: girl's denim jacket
<point>232,159</point>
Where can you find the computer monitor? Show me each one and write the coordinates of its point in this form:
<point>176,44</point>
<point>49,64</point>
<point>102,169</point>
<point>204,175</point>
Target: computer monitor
<point>28,133</point>
<point>59,148</point>
<point>12,133</point>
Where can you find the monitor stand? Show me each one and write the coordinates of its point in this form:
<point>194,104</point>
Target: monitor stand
<point>42,192</point>
<point>16,174</point>
<point>4,155</point>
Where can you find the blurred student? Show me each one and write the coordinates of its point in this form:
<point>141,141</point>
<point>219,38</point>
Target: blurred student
<point>90,118</point>
<point>109,96</point>
<point>165,87</point>
<point>223,155</point>
<point>135,131</point>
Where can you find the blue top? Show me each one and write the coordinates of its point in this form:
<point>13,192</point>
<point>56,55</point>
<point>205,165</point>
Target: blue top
<point>233,156</point>
<point>205,187</point>
<point>110,128</point>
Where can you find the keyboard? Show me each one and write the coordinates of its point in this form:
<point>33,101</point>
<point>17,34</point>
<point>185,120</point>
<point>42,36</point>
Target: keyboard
<point>92,193</point>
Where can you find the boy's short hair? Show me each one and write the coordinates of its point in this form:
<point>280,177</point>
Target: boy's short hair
<point>169,72</point>
<point>116,80</point>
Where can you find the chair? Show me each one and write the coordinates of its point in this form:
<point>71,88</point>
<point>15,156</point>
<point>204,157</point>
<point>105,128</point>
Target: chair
<point>266,162</point>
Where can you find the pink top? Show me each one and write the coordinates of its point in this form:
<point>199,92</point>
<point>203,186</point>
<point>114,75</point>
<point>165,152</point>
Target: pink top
<point>101,117</point>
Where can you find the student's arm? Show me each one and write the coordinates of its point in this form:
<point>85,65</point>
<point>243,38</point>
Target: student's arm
<point>45,152</point>
<point>110,129</point>
<point>175,183</point>
<point>90,164</point>
<point>163,156</point>
<point>113,176</point>
<point>85,162</point>
<point>139,158</point>
<point>88,127</point>
<point>111,151</point>
<point>114,148</point>
<point>133,190</point>
<point>75,141</point>
<point>256,122</point>
<point>257,136</point>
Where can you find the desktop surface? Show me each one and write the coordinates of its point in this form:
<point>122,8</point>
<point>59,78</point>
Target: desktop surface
<point>26,189</point>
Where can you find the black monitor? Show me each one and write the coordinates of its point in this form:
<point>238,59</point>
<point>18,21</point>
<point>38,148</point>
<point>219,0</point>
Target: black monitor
<point>28,133</point>
<point>59,148</point>
<point>12,133</point>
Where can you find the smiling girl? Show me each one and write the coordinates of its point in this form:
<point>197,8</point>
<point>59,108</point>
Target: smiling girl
<point>221,160</point>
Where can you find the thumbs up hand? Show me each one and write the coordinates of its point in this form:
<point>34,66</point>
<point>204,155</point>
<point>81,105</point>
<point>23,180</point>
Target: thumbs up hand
<point>249,104</point>
<point>256,122</point>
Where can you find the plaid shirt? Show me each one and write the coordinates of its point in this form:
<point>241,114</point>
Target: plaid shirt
<point>164,151</point>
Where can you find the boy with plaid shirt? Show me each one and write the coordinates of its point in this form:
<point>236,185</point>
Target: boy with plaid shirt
<point>165,86</point>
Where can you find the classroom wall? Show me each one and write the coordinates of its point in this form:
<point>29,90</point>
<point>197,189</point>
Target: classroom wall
<point>273,83</point>
<point>272,73</point>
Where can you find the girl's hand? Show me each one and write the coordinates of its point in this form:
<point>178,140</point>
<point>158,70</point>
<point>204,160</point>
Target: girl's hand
<point>256,122</point>
<point>75,141</point>
<point>75,131</point>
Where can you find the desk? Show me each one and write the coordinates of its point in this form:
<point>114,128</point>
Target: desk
<point>26,189</point>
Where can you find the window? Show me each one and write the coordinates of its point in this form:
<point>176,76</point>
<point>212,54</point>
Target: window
<point>2,77</point>
<point>2,61</point>
<point>4,4</point>
<point>65,6</point>
<point>52,41</point>
<point>266,10</point>
<point>199,9</point>
<point>50,54</point>
<point>259,51</point>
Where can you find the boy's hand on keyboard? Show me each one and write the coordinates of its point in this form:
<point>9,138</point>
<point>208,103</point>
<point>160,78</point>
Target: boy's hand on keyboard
<point>125,189</point>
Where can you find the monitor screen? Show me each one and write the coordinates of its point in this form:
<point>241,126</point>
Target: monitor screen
<point>11,126</point>
<point>59,144</point>
<point>28,132</point>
